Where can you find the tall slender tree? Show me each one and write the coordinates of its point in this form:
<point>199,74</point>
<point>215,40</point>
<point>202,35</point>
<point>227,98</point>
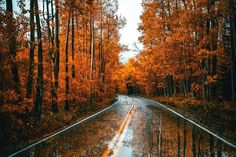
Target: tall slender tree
<point>67,64</point>
<point>232,4</point>
<point>49,18</point>
<point>39,86</point>
<point>57,58</point>
<point>31,53</point>
<point>12,46</point>
<point>92,55</point>
<point>73,44</point>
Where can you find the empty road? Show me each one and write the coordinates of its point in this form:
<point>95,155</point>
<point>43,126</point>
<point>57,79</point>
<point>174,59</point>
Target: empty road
<point>133,126</point>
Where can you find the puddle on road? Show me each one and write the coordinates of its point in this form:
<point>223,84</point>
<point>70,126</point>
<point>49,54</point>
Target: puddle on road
<point>125,149</point>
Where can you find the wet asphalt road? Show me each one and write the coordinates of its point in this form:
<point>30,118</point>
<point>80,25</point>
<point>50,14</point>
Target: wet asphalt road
<point>150,131</point>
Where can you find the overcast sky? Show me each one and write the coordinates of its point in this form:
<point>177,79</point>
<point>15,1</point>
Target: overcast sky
<point>131,10</point>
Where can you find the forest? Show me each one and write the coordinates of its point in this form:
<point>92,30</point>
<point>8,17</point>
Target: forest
<point>58,60</point>
<point>61,61</point>
<point>57,54</point>
<point>189,50</point>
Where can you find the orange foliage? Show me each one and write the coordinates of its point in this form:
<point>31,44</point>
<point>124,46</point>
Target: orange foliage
<point>183,50</point>
<point>106,55</point>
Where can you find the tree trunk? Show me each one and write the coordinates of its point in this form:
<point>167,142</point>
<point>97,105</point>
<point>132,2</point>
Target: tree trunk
<point>233,48</point>
<point>39,86</point>
<point>50,42</point>
<point>73,54</point>
<point>67,66</point>
<point>232,55</point>
<point>86,36</point>
<point>57,59</point>
<point>52,14</point>
<point>12,47</point>
<point>92,56</point>
<point>31,55</point>
<point>73,46</point>
<point>101,57</point>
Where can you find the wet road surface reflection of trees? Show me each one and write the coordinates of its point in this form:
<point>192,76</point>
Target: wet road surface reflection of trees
<point>159,133</point>
<point>88,139</point>
<point>152,131</point>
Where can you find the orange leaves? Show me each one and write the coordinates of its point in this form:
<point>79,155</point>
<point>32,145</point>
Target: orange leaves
<point>9,95</point>
<point>196,87</point>
<point>203,54</point>
<point>182,41</point>
<point>211,80</point>
<point>22,109</point>
<point>68,117</point>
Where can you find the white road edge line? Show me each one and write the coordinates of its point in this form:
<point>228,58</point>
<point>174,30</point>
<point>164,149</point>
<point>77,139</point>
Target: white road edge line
<point>198,125</point>
<point>79,122</point>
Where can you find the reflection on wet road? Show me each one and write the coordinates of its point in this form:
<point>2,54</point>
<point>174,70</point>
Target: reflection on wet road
<point>151,131</point>
<point>156,132</point>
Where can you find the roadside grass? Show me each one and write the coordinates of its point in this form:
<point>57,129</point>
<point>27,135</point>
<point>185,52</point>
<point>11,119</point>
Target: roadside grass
<point>19,129</point>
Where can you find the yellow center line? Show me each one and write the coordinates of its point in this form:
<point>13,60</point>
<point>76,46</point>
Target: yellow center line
<point>119,132</point>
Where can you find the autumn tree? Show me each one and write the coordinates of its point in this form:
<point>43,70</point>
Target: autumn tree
<point>12,45</point>
<point>31,53</point>
<point>65,52</point>
<point>183,49</point>
<point>39,86</point>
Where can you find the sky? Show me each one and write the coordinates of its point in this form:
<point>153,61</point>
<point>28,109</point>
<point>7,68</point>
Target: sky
<point>131,10</point>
